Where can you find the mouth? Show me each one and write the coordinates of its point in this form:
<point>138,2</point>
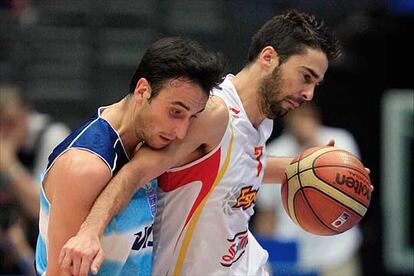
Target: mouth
<point>293,104</point>
<point>165,139</point>
<point>290,105</point>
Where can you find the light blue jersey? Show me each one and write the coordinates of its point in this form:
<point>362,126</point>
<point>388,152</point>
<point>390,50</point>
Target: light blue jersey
<point>127,241</point>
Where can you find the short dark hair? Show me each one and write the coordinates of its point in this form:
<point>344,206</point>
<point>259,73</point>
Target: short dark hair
<point>176,57</point>
<point>290,33</point>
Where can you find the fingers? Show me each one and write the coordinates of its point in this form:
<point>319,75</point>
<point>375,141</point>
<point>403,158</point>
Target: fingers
<point>65,273</point>
<point>74,262</point>
<point>331,143</point>
<point>96,264</point>
<point>84,268</point>
<point>65,262</point>
<point>76,265</point>
<point>62,255</point>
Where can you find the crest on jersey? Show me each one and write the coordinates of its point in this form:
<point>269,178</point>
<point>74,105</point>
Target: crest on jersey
<point>247,198</point>
<point>239,199</point>
<point>236,249</point>
<point>151,192</point>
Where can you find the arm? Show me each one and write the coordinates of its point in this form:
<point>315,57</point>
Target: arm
<point>146,164</point>
<point>275,169</point>
<point>72,185</point>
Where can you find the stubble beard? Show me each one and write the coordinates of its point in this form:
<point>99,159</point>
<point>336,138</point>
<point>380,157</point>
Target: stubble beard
<point>270,91</point>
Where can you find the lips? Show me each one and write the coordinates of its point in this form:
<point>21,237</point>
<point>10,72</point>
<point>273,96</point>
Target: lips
<point>166,139</point>
<point>294,104</point>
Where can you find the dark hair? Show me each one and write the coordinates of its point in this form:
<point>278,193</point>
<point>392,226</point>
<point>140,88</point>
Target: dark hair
<point>290,33</point>
<point>176,57</point>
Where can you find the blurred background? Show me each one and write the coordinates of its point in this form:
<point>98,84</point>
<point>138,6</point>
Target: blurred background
<point>70,57</point>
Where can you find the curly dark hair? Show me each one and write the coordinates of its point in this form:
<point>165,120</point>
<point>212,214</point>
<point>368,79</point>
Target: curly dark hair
<point>290,33</point>
<point>176,57</point>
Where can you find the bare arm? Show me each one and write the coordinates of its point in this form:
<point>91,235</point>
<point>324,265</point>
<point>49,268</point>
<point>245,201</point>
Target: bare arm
<point>275,169</point>
<point>142,168</point>
<point>146,165</point>
<point>72,185</point>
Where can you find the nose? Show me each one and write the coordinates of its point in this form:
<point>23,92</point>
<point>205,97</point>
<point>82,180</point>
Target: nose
<point>180,129</point>
<point>307,94</point>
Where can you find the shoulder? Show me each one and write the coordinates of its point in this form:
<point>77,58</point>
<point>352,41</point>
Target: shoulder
<point>81,163</point>
<point>216,111</point>
<point>77,175</point>
<point>212,123</point>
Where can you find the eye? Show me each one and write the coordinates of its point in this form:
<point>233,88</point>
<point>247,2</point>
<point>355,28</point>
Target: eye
<point>307,78</point>
<point>176,112</point>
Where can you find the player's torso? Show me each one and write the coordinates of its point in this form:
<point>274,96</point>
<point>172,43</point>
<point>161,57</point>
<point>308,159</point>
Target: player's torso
<point>204,207</point>
<point>127,241</point>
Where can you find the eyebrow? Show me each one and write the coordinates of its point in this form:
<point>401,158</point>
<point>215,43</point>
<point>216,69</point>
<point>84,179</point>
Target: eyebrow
<point>201,110</point>
<point>312,72</point>
<point>186,107</point>
<point>181,104</point>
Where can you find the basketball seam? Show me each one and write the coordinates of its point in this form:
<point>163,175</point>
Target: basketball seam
<point>317,176</point>
<point>304,195</point>
<point>329,166</point>
<point>307,201</point>
<point>287,194</point>
<point>316,157</point>
<point>287,182</point>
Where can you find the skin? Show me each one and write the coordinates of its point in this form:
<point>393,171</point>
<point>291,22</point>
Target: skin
<point>295,85</point>
<point>157,122</point>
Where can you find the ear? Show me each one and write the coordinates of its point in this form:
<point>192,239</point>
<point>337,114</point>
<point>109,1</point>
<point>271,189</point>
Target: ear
<point>142,89</point>
<point>269,58</point>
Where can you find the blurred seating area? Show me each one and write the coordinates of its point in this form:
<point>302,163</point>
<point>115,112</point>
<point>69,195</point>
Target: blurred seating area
<point>72,56</point>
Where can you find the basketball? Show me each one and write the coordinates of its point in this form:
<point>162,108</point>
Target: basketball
<point>326,190</point>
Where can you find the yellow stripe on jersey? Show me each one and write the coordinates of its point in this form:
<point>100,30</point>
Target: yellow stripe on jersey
<point>197,213</point>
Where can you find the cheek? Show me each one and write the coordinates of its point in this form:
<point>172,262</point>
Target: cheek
<point>160,123</point>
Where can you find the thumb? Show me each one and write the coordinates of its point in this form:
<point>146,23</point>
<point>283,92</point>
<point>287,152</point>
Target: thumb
<point>97,262</point>
<point>331,143</point>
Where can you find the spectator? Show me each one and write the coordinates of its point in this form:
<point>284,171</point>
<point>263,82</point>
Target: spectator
<point>26,138</point>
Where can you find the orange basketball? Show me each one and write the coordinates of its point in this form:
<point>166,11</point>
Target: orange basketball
<point>326,190</point>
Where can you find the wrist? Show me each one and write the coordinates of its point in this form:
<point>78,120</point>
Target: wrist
<point>91,229</point>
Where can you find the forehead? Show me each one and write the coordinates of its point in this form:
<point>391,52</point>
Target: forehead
<point>312,59</point>
<point>183,92</point>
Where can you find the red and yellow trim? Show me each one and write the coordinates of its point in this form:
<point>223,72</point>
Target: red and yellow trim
<point>194,219</point>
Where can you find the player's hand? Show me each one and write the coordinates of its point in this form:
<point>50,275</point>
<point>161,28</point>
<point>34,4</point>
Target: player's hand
<point>331,143</point>
<point>80,253</point>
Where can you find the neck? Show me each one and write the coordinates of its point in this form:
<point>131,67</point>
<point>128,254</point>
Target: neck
<point>247,84</point>
<point>120,116</point>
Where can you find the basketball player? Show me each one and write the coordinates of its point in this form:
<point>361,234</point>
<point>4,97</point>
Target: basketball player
<point>169,88</point>
<point>210,179</point>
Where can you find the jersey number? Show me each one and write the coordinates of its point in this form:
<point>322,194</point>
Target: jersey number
<point>258,152</point>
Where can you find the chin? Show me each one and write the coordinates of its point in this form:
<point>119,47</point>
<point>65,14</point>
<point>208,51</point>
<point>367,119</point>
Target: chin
<point>158,145</point>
